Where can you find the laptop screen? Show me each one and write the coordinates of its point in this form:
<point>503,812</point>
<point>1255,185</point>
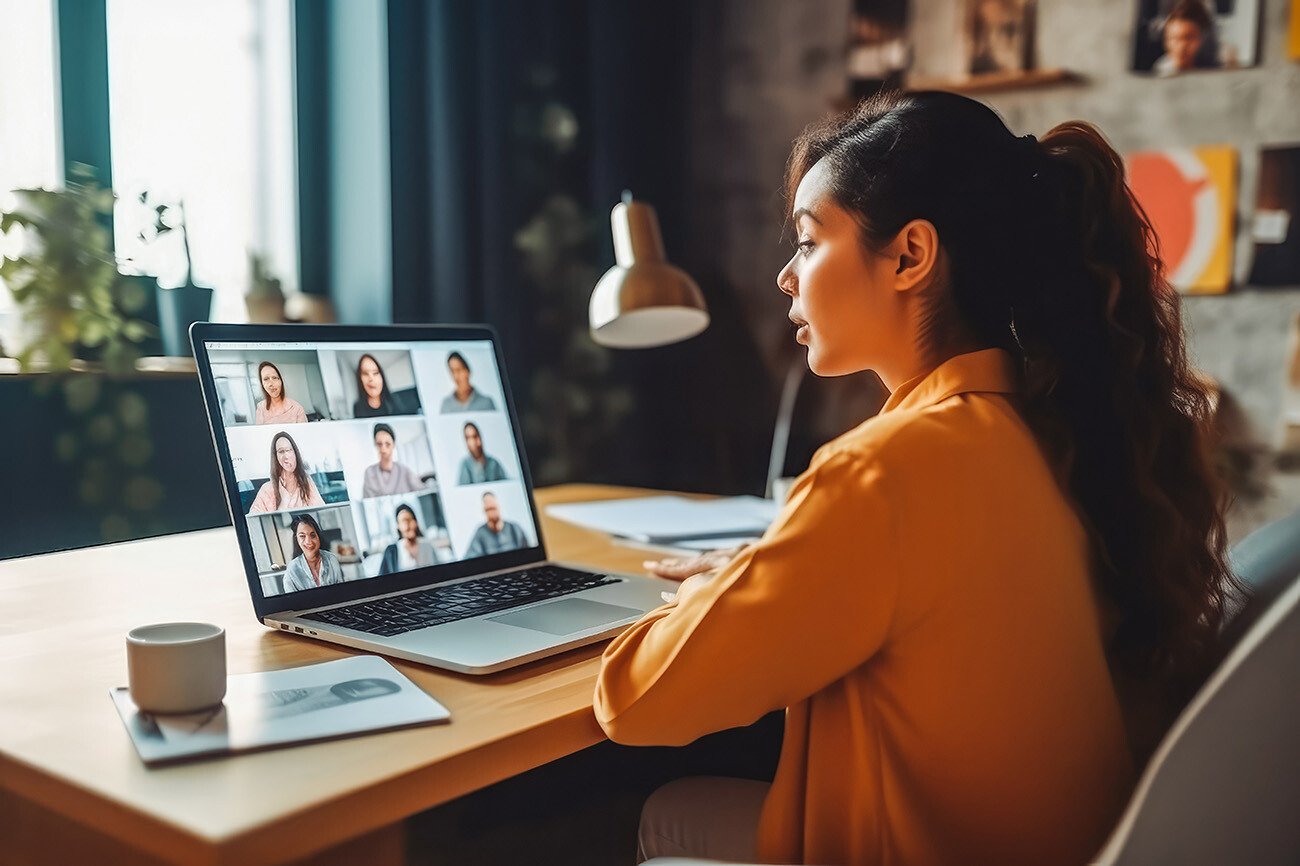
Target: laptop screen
<point>355,460</point>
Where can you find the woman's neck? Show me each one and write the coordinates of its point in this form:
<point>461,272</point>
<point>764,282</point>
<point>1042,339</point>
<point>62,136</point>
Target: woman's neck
<point>463,396</point>
<point>375,402</point>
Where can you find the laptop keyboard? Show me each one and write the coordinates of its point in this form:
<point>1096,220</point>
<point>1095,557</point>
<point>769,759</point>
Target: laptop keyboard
<point>427,607</point>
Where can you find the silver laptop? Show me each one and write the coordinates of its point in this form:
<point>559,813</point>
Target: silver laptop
<point>378,487</point>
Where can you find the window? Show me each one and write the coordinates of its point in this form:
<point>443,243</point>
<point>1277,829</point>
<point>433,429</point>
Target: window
<point>201,117</point>
<point>29,136</point>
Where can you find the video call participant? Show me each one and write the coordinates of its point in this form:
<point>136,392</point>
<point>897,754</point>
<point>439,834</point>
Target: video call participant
<point>375,399</point>
<point>495,535</point>
<point>411,550</point>
<point>477,467</point>
<point>312,567</point>
<point>388,476</point>
<point>277,407</point>
<point>464,398</point>
<point>290,485</point>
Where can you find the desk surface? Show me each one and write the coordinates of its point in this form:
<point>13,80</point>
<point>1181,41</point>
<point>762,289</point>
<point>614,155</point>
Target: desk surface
<point>62,745</point>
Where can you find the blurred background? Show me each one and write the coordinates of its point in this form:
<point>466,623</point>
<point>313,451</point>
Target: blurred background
<point>369,161</point>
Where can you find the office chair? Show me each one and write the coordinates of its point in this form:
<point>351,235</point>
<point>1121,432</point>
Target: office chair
<point>1224,784</point>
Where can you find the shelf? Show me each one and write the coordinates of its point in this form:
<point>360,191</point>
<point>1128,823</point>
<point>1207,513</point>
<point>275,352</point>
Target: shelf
<point>990,82</point>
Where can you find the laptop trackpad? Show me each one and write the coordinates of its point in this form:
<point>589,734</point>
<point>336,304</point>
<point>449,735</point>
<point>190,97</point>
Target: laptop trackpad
<point>567,616</point>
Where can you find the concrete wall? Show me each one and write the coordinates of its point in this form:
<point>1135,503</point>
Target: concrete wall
<point>769,67</point>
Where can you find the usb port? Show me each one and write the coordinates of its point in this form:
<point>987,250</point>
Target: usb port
<point>298,629</point>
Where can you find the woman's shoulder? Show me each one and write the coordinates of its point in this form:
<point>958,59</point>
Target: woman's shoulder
<point>967,423</point>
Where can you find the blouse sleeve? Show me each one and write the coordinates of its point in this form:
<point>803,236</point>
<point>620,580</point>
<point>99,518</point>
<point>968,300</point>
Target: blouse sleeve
<point>788,616</point>
<point>313,496</point>
<point>265,499</point>
<point>298,415</point>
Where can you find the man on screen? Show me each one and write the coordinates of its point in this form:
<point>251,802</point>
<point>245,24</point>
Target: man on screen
<point>388,477</point>
<point>477,467</point>
<point>495,535</point>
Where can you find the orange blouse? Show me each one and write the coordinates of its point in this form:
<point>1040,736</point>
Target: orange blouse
<point>924,610</point>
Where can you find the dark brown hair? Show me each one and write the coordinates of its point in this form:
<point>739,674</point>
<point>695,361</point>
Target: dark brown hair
<point>385,398</point>
<point>1192,11</point>
<point>299,472</point>
<point>1051,258</point>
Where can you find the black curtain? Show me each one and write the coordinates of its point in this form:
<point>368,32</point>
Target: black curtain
<point>516,125</point>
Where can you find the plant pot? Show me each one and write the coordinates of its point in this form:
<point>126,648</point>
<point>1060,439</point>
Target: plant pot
<point>179,308</point>
<point>264,308</point>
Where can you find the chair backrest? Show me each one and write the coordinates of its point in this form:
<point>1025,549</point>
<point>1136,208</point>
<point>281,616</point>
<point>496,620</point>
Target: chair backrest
<point>1266,562</point>
<point>1224,786</point>
<point>1269,554</point>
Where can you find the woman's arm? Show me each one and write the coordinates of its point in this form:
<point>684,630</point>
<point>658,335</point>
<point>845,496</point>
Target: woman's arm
<point>791,614</point>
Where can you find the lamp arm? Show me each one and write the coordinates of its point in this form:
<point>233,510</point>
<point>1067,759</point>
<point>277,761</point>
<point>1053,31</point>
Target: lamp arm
<point>784,419</point>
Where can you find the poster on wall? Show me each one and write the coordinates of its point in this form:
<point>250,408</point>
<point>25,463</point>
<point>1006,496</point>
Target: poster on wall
<point>1177,36</point>
<point>878,51</point>
<point>1275,228</point>
<point>1189,195</point>
<point>999,36</point>
<point>1293,36</point>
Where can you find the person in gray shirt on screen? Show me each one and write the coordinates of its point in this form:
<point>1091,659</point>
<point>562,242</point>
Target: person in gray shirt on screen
<point>388,477</point>
<point>496,535</point>
<point>477,467</point>
<point>464,398</point>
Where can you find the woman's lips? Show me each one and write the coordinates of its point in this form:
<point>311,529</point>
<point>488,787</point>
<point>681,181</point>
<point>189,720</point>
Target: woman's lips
<point>801,329</point>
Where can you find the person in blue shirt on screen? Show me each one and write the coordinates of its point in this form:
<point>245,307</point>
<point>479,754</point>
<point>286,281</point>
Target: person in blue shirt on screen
<point>464,398</point>
<point>496,535</point>
<point>478,467</point>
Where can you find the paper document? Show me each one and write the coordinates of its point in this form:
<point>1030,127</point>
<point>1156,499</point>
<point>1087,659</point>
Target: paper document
<point>278,708</point>
<point>673,519</point>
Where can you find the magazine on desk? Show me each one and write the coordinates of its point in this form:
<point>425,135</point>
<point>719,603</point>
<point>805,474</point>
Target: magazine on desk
<point>279,708</point>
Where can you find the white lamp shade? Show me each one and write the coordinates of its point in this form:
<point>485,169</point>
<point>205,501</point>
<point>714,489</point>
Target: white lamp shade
<point>643,301</point>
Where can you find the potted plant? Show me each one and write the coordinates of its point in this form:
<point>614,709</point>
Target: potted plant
<point>72,301</point>
<point>183,305</point>
<point>265,298</point>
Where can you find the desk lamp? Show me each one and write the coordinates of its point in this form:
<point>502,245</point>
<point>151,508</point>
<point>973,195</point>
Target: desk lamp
<point>643,302</point>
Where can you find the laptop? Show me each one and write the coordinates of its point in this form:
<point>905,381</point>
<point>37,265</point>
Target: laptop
<point>379,490</point>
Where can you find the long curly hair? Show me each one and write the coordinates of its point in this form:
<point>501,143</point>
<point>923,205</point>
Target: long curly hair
<point>1051,258</point>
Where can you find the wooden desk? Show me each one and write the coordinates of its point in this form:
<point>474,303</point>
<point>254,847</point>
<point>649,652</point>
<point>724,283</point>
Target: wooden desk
<point>73,790</point>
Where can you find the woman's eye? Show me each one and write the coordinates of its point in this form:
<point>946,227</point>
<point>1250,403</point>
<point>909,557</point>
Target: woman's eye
<point>806,248</point>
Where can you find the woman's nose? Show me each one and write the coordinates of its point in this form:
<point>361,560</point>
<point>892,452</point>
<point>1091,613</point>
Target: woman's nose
<point>785,278</point>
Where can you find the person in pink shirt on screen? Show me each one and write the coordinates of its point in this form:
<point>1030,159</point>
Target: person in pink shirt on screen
<point>290,485</point>
<point>278,407</point>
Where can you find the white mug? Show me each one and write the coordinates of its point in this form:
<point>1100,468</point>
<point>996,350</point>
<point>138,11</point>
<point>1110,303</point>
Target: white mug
<point>176,667</point>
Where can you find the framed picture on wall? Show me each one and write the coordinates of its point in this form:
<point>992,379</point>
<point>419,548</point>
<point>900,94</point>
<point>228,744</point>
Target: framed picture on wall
<point>1275,228</point>
<point>1190,194</point>
<point>1293,35</point>
<point>1173,37</point>
<point>999,36</point>
<point>878,51</point>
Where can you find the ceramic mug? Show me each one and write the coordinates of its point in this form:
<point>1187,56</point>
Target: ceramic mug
<point>176,667</point>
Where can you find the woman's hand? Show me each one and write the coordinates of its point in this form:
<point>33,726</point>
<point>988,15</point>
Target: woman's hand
<point>692,571</point>
<point>682,567</point>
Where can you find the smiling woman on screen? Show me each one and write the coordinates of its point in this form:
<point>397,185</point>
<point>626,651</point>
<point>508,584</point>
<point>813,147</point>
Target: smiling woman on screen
<point>979,607</point>
<point>290,486</point>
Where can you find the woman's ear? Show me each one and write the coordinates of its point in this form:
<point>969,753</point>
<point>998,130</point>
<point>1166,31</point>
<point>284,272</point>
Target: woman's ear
<point>915,254</point>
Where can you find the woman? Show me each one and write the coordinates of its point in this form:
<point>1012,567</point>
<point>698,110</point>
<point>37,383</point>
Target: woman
<point>276,407</point>
<point>958,592</point>
<point>410,550</point>
<point>311,567</point>
<point>375,399</point>
<point>290,485</point>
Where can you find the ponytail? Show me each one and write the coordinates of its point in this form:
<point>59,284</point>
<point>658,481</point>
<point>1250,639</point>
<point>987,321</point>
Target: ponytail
<point>1115,403</point>
<point>1051,258</point>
